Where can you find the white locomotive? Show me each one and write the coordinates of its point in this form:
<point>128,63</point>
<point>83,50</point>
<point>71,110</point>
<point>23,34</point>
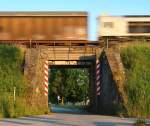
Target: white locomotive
<point>124,26</point>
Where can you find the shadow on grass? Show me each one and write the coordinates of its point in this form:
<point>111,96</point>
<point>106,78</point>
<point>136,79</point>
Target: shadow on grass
<point>6,112</point>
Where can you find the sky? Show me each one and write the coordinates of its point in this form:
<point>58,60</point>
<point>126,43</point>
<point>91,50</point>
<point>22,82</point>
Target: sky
<point>94,7</point>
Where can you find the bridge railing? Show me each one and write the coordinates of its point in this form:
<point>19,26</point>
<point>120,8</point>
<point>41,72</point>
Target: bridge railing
<point>52,42</point>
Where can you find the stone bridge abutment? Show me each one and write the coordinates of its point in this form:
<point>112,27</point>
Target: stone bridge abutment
<point>103,87</point>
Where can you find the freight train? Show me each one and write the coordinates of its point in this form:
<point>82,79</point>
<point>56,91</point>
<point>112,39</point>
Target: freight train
<point>44,26</point>
<point>67,27</point>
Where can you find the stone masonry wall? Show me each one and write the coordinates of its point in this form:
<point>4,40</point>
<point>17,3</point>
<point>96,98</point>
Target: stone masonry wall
<point>34,62</point>
<point>34,72</point>
<point>112,80</point>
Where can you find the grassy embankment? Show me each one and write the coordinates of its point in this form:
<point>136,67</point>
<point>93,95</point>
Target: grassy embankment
<point>136,60</point>
<point>11,76</point>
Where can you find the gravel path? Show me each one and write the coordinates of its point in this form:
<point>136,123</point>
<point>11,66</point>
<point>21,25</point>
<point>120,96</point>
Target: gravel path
<point>62,117</point>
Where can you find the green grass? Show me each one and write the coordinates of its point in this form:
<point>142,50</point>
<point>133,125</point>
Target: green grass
<point>136,60</point>
<point>11,59</point>
<point>11,75</point>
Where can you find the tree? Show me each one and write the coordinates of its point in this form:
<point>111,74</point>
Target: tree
<point>70,84</point>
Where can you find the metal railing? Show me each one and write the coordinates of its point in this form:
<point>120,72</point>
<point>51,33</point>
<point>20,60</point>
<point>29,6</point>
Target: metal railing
<point>51,42</point>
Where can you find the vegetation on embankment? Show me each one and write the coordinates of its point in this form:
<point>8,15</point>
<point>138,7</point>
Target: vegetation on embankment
<point>11,77</point>
<point>136,60</point>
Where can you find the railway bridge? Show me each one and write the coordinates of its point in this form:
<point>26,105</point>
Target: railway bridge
<point>60,39</point>
<point>40,57</point>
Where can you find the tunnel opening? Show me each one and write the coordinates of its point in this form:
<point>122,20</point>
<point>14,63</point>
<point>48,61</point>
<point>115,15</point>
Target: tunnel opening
<point>69,88</point>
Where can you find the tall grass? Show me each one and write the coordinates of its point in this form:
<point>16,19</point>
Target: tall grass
<point>11,75</point>
<point>11,59</point>
<point>136,60</point>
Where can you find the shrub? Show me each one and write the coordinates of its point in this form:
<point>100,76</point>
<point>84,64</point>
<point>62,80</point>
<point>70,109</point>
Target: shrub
<point>11,76</point>
<point>136,60</point>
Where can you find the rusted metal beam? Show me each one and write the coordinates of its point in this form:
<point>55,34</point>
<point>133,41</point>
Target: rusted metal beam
<point>51,42</point>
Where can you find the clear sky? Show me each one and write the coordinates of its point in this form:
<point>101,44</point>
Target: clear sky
<point>94,7</point>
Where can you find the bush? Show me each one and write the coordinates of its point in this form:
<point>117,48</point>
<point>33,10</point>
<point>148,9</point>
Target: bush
<point>136,60</point>
<point>11,60</point>
<point>11,75</point>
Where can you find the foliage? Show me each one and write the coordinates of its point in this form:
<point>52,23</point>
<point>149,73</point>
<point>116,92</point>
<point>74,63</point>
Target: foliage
<point>77,85</point>
<point>70,84</point>
<point>136,60</point>
<point>10,69</point>
<point>11,75</point>
<point>140,122</point>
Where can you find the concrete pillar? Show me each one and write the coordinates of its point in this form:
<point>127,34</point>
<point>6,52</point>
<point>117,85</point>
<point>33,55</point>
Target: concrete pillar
<point>92,79</point>
<point>34,72</point>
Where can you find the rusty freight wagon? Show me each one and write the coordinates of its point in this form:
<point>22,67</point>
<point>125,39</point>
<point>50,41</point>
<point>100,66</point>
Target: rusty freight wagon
<point>43,27</point>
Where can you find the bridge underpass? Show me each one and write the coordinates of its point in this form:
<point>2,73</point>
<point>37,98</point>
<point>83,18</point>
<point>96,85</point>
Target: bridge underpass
<point>103,88</point>
<point>34,71</point>
<point>81,65</point>
<point>37,59</point>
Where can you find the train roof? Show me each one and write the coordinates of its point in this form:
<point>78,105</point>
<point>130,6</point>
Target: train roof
<point>140,16</point>
<point>126,16</point>
<point>44,13</point>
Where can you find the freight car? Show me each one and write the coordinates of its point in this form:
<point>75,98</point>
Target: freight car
<point>124,26</point>
<point>43,26</point>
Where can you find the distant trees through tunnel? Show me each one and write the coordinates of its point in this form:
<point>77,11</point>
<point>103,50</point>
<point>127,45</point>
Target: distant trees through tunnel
<point>69,86</point>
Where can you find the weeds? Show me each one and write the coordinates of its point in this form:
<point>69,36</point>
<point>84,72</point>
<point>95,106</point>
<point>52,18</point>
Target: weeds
<point>11,60</point>
<point>136,60</point>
